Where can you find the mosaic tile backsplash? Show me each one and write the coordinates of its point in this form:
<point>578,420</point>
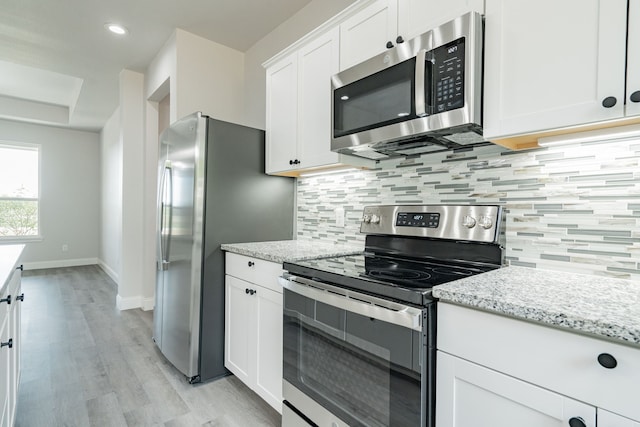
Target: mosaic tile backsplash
<point>573,208</point>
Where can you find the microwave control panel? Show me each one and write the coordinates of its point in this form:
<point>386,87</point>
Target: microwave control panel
<point>448,76</point>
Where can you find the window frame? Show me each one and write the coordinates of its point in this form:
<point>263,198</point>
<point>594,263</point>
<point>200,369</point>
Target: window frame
<point>38,236</point>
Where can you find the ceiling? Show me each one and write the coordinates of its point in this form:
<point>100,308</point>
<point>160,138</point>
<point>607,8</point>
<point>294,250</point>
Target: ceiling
<point>60,66</point>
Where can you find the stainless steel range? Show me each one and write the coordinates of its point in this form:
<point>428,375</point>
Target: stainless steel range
<point>359,331</point>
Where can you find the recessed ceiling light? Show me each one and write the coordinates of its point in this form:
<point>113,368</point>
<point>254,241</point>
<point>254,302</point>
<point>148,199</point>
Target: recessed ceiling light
<point>116,29</point>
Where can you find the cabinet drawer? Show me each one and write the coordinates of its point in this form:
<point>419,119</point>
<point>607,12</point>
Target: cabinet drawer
<point>560,361</point>
<point>254,270</point>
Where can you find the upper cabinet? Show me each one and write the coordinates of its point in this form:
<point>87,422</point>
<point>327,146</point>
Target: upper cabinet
<point>386,23</point>
<point>551,65</point>
<point>299,107</point>
<point>368,32</point>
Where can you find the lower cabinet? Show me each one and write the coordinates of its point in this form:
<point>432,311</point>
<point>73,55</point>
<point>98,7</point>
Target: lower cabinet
<point>496,371</point>
<point>470,395</point>
<point>253,330</point>
<point>10,344</point>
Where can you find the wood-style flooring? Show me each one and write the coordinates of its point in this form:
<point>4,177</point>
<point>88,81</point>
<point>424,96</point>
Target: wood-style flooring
<point>84,363</point>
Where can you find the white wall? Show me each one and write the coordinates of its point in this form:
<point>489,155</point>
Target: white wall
<point>307,19</point>
<point>111,197</point>
<point>69,193</point>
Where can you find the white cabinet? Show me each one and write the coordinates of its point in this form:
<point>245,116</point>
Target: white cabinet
<point>470,395</point>
<point>10,344</point>
<point>633,60</point>
<point>608,419</point>
<point>553,64</point>
<point>366,33</point>
<point>253,325</point>
<point>385,23</point>
<point>599,373</point>
<point>417,16</point>
<point>299,107</point>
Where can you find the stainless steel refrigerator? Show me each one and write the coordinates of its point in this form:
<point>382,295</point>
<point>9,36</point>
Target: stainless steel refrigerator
<point>212,190</point>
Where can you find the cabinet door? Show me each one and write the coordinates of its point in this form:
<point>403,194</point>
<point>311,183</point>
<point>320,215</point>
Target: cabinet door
<point>317,62</point>
<point>633,60</point>
<point>269,343</point>
<point>282,110</point>
<point>239,349</point>
<point>470,395</point>
<point>15,353</point>
<point>551,64</point>
<point>366,33</point>
<point>418,16</point>
<point>5,354</point>
<point>608,419</point>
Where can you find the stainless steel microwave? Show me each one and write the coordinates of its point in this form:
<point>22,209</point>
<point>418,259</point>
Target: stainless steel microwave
<point>421,96</point>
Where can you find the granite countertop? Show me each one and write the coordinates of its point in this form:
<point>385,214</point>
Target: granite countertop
<point>9,256</point>
<point>582,303</point>
<point>291,250</point>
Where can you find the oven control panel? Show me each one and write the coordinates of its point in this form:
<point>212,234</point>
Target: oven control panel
<point>408,219</point>
<point>478,223</point>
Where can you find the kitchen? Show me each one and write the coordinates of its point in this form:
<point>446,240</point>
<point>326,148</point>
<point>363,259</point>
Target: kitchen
<point>569,208</point>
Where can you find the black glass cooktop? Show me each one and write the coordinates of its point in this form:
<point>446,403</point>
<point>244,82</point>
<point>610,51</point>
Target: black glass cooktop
<point>402,279</point>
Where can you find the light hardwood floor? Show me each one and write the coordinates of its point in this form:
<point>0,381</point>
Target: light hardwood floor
<point>84,363</point>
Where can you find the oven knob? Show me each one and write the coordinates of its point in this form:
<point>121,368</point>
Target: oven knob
<point>469,221</point>
<point>485,222</point>
<point>375,219</point>
<point>366,219</point>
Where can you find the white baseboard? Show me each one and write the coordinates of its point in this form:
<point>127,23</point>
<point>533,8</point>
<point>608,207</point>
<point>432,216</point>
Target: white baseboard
<point>110,271</point>
<point>127,303</point>
<point>148,303</point>
<point>59,263</point>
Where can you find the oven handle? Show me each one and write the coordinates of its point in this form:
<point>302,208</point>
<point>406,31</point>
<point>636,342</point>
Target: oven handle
<point>355,302</point>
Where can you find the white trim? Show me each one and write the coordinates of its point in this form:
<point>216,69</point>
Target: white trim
<point>127,303</point>
<point>110,271</point>
<point>38,265</point>
<point>148,304</point>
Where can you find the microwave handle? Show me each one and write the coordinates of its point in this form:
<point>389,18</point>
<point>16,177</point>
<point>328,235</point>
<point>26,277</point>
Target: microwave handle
<point>421,102</point>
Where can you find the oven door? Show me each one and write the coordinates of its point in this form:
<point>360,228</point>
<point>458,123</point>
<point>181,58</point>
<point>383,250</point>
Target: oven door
<point>352,359</point>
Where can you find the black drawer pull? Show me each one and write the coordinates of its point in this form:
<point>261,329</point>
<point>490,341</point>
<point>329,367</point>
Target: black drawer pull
<point>20,297</point>
<point>21,267</point>
<point>7,344</point>
<point>607,361</point>
<point>576,422</point>
<point>7,299</point>
<point>251,263</point>
<point>635,96</point>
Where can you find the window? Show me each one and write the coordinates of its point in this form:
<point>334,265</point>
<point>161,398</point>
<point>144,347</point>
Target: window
<point>19,191</point>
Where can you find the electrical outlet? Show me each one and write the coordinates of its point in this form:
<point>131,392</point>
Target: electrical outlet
<point>339,217</point>
<point>65,248</point>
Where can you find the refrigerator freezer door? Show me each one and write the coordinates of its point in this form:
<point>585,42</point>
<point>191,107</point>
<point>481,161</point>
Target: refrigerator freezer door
<point>179,253</point>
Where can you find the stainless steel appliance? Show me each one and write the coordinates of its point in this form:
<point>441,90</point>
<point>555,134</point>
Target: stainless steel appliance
<point>424,95</point>
<point>212,190</point>
<point>359,331</point>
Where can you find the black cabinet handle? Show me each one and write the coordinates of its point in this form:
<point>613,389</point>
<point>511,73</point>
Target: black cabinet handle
<point>399,40</point>
<point>389,45</point>
<point>7,299</point>
<point>296,162</point>
<point>252,291</point>
<point>7,344</point>
<point>290,162</point>
<point>635,96</point>
<point>246,290</point>
<point>576,422</point>
<point>251,264</point>
<point>20,297</point>
<point>21,267</point>
<point>607,361</point>
<point>609,101</point>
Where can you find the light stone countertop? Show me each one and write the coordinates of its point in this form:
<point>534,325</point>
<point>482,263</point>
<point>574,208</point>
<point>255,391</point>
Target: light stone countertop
<point>291,250</point>
<point>588,304</point>
<point>9,257</point>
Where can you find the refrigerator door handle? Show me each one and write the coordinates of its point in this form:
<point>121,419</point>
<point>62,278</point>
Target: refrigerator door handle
<point>166,202</point>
